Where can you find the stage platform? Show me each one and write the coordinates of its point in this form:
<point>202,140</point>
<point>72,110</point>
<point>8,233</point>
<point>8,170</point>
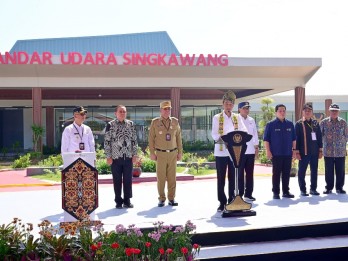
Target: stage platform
<point>297,220</point>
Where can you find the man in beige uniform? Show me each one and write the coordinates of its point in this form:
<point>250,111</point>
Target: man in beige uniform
<point>165,146</point>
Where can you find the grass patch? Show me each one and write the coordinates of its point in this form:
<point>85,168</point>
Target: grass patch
<point>180,169</point>
<point>201,172</point>
<point>51,176</point>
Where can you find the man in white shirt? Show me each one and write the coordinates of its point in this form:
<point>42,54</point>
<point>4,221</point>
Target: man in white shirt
<point>78,137</point>
<point>223,123</point>
<point>248,161</point>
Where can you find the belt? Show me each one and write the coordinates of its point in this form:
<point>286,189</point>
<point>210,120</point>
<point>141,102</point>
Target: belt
<point>167,150</point>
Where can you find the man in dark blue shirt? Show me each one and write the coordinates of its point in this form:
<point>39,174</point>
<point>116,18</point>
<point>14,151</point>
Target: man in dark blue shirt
<point>280,144</point>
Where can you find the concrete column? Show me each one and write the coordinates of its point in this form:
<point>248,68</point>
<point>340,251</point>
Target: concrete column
<point>50,126</point>
<point>300,99</point>
<point>175,99</point>
<point>328,102</point>
<point>36,96</point>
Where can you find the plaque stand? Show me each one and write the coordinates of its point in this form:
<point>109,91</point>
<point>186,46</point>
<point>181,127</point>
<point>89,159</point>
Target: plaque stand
<point>87,158</point>
<point>235,142</point>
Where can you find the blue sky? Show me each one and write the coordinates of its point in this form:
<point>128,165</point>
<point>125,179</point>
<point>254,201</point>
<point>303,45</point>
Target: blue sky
<point>239,28</point>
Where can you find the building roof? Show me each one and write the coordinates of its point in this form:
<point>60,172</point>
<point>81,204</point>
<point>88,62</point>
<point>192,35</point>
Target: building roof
<point>149,42</point>
<point>249,78</point>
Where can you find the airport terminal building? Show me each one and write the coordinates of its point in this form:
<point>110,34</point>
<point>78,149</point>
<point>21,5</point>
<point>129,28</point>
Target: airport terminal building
<point>42,80</point>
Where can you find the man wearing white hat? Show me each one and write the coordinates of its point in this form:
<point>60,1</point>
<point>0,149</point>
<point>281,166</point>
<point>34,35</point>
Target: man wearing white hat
<point>335,136</point>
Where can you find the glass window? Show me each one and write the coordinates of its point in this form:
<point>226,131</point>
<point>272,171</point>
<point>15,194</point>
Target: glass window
<point>195,121</point>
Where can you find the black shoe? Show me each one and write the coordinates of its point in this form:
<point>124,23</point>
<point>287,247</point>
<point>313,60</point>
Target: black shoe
<point>340,191</point>
<point>288,195</point>
<point>314,192</point>
<point>328,191</point>
<point>276,196</point>
<point>129,205</point>
<point>304,193</point>
<point>119,205</point>
<point>250,198</point>
<point>161,203</point>
<point>173,203</point>
<point>221,208</point>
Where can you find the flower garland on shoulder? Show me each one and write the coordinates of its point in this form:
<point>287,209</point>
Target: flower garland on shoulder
<point>235,121</point>
<point>221,126</point>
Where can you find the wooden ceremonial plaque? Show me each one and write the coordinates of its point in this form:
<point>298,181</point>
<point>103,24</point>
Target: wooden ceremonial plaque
<point>79,189</point>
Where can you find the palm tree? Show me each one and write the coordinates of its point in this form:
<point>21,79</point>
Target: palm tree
<point>268,113</point>
<point>38,132</point>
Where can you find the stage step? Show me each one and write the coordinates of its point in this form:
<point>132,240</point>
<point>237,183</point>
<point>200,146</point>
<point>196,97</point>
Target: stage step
<point>271,234</point>
<point>305,242</point>
<point>328,248</point>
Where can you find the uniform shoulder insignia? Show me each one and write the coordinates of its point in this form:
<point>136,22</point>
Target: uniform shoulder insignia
<point>156,119</point>
<point>173,118</point>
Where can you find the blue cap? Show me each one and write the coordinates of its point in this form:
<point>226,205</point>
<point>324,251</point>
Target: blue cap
<point>243,104</point>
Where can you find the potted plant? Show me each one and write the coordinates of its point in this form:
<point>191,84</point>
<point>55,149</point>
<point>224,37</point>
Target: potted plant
<point>137,167</point>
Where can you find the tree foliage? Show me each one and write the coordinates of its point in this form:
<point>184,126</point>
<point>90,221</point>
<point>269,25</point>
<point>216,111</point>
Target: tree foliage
<point>38,132</point>
<point>268,113</point>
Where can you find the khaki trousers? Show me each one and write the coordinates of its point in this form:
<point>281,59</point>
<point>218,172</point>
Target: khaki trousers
<point>166,171</point>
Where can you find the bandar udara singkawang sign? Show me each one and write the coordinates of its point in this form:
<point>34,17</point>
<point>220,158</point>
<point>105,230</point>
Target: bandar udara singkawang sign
<point>100,58</point>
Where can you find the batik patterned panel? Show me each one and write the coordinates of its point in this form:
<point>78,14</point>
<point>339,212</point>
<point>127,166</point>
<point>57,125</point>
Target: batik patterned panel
<point>79,189</point>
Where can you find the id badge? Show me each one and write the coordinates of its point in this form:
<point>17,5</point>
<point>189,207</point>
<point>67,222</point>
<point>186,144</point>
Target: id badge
<point>82,146</point>
<point>314,136</point>
<point>168,137</point>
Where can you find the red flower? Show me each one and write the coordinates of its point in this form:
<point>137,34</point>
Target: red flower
<point>195,246</point>
<point>169,251</point>
<point>136,251</point>
<point>115,245</point>
<point>184,250</point>
<point>147,244</point>
<point>94,247</point>
<point>161,250</point>
<point>129,251</point>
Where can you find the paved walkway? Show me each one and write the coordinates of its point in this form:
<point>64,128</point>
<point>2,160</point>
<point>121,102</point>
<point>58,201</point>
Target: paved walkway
<point>197,202</point>
<point>14,180</point>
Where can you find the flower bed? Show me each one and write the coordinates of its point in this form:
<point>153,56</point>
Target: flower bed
<point>87,240</point>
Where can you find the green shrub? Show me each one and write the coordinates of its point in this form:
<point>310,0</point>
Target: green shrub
<point>35,157</point>
<point>189,157</point>
<point>148,165</point>
<point>52,161</point>
<point>198,145</point>
<point>103,167</point>
<point>100,154</point>
<point>263,157</point>
<point>22,162</point>
<point>211,157</point>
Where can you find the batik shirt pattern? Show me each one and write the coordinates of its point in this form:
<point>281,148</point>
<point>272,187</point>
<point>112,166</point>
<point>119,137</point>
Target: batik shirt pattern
<point>335,137</point>
<point>120,139</point>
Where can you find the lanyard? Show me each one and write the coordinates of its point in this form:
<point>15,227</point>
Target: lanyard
<point>81,136</point>
<point>310,126</point>
<point>165,125</point>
